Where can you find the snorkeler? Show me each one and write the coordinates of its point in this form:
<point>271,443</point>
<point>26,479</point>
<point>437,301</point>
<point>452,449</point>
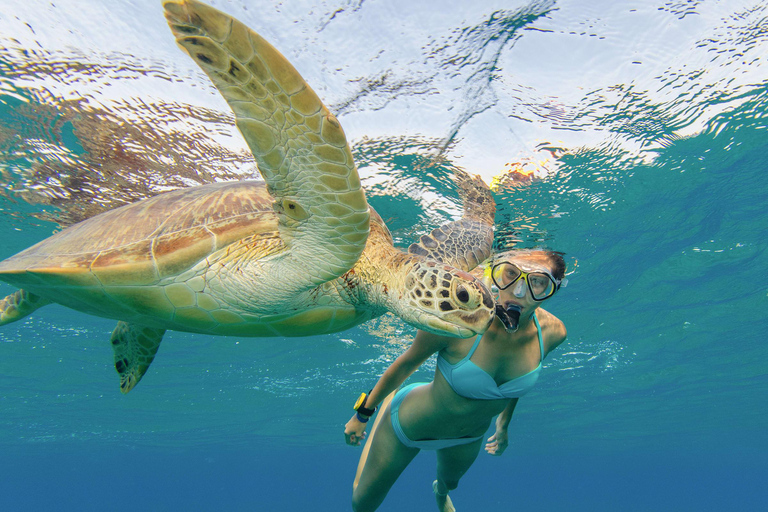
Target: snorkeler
<point>475,380</point>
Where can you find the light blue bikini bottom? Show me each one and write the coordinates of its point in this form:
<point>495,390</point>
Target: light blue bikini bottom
<point>426,444</point>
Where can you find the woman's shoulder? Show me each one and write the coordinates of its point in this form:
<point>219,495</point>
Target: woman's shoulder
<point>435,342</point>
<point>455,348</point>
<point>553,330</point>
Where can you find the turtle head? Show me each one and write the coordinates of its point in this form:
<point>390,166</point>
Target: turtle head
<point>444,300</point>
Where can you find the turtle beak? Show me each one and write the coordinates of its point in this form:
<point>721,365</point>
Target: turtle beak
<point>443,328</point>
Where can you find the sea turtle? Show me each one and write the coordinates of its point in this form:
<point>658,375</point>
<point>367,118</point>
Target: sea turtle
<point>299,254</point>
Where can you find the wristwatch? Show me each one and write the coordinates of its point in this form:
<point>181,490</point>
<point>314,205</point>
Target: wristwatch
<point>360,405</point>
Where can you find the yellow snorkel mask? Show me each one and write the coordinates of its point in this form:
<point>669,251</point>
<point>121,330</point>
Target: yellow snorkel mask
<point>540,284</point>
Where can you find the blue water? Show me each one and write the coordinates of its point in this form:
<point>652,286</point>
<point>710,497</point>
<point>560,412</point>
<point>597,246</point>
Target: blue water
<point>646,124</point>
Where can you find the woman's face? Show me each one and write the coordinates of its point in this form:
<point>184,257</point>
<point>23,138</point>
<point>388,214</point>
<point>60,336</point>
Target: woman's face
<point>524,282</point>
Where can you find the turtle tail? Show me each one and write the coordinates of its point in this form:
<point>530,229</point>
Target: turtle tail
<point>18,305</point>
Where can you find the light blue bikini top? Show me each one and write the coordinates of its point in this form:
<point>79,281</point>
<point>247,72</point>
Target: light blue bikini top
<point>470,381</point>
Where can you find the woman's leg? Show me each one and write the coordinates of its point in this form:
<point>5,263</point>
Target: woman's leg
<point>367,446</point>
<point>452,463</point>
<point>383,459</point>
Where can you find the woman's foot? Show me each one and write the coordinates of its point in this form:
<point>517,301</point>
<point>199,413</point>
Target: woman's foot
<point>444,503</point>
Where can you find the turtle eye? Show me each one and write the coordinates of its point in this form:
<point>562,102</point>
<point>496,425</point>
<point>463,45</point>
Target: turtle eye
<point>293,210</point>
<point>462,294</point>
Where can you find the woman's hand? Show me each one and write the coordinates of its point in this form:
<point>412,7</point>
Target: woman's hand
<point>498,442</point>
<point>354,431</point>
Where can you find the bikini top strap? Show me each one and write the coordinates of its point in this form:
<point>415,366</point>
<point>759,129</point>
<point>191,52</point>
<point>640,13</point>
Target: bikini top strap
<point>474,347</point>
<point>541,340</point>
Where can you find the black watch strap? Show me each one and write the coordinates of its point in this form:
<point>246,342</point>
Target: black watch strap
<point>360,405</point>
<point>365,411</point>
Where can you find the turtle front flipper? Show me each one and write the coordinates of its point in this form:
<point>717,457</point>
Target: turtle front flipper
<point>300,147</point>
<point>18,305</point>
<point>468,241</point>
<point>135,347</point>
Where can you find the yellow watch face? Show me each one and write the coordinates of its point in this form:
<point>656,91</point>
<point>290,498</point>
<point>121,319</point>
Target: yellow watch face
<point>360,400</point>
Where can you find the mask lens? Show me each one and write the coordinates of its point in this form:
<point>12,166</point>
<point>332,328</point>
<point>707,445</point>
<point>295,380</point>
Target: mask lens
<point>541,285</point>
<point>504,274</point>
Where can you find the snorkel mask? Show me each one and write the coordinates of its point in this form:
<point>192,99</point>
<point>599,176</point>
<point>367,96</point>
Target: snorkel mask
<point>541,285</point>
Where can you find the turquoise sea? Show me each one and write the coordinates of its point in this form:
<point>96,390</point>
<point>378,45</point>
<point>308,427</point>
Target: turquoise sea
<point>630,135</point>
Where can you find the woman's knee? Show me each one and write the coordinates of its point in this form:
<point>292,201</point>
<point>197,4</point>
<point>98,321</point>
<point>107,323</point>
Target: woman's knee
<point>450,478</point>
<point>453,463</point>
<point>450,483</point>
<point>362,503</point>
<point>356,506</point>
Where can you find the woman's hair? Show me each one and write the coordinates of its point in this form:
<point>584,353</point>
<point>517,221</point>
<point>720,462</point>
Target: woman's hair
<point>558,264</point>
<point>555,259</point>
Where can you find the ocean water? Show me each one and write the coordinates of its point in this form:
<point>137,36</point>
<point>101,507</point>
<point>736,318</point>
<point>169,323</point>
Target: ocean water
<point>629,135</point>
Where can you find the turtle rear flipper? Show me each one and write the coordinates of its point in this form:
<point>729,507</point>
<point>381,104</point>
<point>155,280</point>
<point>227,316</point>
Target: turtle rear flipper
<point>135,347</point>
<point>18,305</point>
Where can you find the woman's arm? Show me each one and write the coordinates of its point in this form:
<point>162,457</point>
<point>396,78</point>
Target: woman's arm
<point>424,345</point>
<point>499,441</point>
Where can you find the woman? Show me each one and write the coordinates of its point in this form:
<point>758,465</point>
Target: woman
<point>475,380</point>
